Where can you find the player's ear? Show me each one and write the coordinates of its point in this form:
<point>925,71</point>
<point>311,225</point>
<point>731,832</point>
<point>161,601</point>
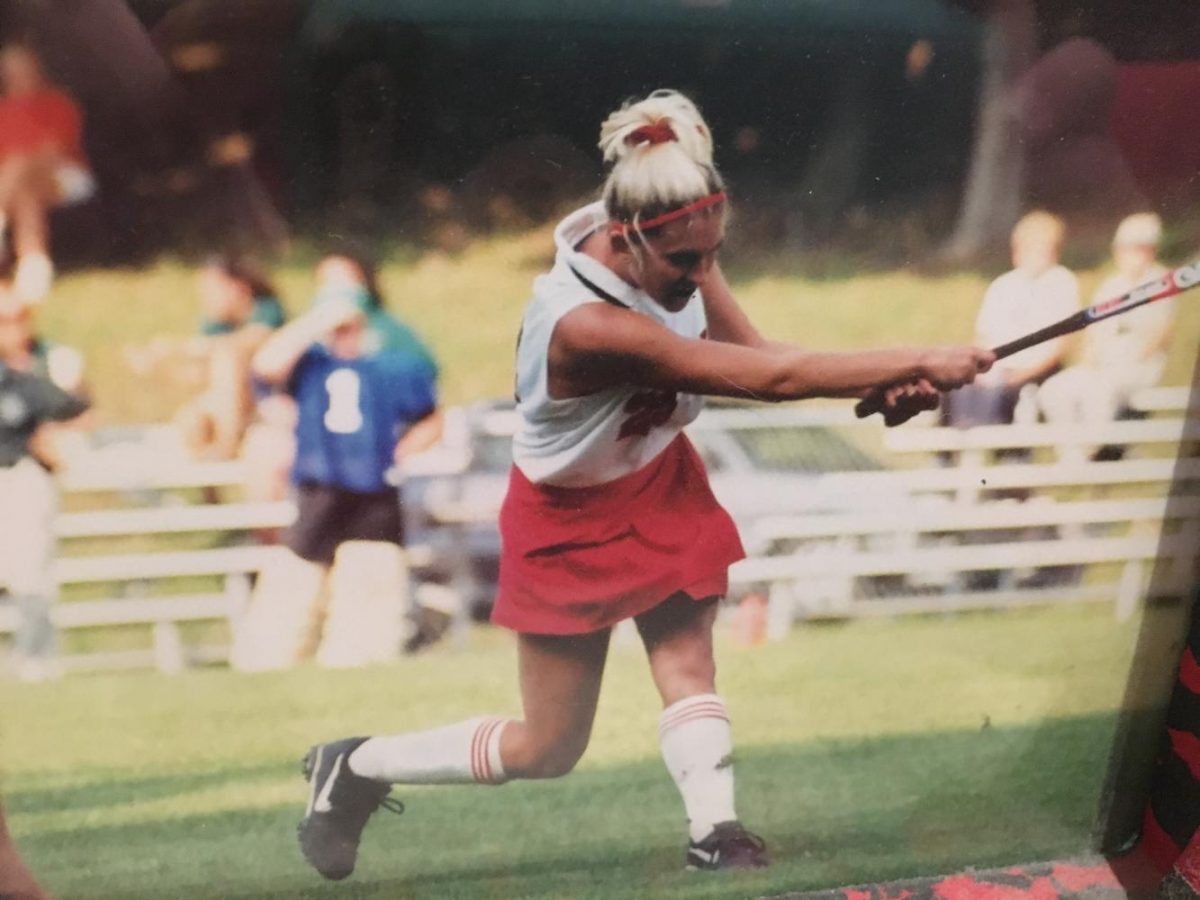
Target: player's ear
<point>620,242</point>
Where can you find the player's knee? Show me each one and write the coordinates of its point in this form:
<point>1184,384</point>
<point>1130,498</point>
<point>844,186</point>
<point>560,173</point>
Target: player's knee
<point>554,764</point>
<point>551,760</point>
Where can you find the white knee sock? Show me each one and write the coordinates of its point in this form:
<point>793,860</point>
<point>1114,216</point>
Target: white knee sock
<point>697,746</point>
<point>463,753</point>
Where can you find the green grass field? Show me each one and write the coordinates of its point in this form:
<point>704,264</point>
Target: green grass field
<point>866,750</point>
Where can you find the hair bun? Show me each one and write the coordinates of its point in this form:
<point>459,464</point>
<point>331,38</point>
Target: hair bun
<point>663,118</point>
<point>659,154</point>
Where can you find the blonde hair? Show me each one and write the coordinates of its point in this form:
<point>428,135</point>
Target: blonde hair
<point>660,157</point>
<point>1039,228</point>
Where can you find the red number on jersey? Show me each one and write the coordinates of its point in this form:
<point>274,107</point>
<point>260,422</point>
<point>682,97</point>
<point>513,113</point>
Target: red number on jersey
<point>647,410</point>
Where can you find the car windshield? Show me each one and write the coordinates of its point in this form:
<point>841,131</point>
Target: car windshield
<point>806,449</point>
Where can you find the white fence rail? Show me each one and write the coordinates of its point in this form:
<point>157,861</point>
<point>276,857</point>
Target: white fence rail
<point>1120,520</point>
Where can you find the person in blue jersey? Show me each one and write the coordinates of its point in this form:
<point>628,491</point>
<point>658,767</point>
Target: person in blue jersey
<point>358,413</point>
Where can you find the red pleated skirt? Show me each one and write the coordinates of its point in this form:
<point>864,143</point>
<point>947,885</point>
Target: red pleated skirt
<point>575,560</point>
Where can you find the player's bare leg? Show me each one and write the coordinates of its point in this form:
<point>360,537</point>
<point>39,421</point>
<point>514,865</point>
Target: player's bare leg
<point>16,881</point>
<point>27,191</point>
<point>694,731</point>
<point>349,779</point>
<point>368,597</point>
<point>560,684</point>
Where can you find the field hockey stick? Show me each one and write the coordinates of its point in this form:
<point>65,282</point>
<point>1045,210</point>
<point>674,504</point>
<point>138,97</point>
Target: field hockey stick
<point>1174,282</point>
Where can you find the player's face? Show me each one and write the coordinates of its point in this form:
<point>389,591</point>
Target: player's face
<point>678,258</point>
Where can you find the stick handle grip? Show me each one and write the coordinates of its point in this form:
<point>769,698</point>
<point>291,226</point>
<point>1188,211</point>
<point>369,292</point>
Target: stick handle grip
<point>1068,325</point>
<point>868,405</point>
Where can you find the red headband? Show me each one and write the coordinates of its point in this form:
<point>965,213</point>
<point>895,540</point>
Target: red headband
<point>672,215</point>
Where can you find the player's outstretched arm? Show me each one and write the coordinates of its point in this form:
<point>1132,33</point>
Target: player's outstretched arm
<point>598,346</point>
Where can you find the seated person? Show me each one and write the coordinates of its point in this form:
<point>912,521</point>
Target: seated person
<point>239,311</point>
<point>359,411</point>
<point>1121,355</point>
<point>37,386</point>
<point>42,164</point>
<point>1036,293</point>
<point>270,446</point>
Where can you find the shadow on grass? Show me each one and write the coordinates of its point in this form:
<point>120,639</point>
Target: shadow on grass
<point>834,812</point>
<point>91,794</point>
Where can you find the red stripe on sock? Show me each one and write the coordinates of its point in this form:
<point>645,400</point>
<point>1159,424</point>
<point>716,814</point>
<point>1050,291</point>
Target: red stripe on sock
<point>692,717</point>
<point>671,715</point>
<point>1161,850</point>
<point>476,768</point>
<point>707,709</point>
<point>1189,671</point>
<point>481,763</point>
<point>1187,747</point>
<point>488,774</point>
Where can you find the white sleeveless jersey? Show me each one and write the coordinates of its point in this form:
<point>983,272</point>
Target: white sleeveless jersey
<point>602,436</point>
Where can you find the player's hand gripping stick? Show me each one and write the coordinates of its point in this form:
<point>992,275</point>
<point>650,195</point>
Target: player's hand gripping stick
<point>1174,282</point>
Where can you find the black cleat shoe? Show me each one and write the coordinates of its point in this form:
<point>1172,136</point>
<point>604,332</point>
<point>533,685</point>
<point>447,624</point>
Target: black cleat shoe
<point>728,846</point>
<point>339,804</point>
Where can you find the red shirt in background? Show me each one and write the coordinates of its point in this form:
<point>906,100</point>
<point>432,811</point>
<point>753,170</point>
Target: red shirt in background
<point>33,121</point>
<point>1155,121</point>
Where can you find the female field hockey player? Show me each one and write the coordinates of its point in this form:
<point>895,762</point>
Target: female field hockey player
<point>609,514</point>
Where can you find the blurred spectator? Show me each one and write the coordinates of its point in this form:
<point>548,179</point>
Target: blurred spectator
<point>42,164</point>
<point>30,397</point>
<point>385,330</point>
<point>358,413</point>
<point>270,445</point>
<point>1037,292</point>
<point>16,881</point>
<point>235,294</point>
<point>1120,355</point>
<point>239,311</point>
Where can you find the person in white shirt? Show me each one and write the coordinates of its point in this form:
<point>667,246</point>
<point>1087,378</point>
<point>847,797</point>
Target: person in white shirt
<point>1120,355</point>
<point>609,514</point>
<point>1037,292</point>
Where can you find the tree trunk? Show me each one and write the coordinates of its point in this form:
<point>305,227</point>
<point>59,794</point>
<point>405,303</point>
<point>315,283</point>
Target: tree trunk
<point>144,136</point>
<point>994,190</point>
